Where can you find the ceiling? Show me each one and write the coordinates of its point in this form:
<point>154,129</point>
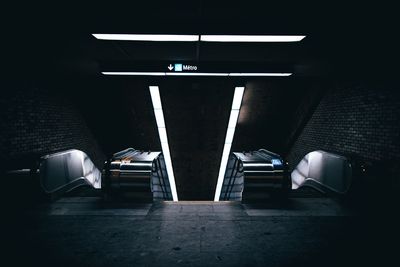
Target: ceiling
<point>52,46</point>
<point>344,40</point>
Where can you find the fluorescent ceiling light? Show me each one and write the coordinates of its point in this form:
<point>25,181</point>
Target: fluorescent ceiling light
<point>222,168</point>
<point>148,37</point>
<point>244,74</point>
<point>233,118</point>
<point>159,118</point>
<point>195,38</point>
<point>162,131</point>
<point>237,98</point>
<point>155,97</point>
<point>230,132</point>
<point>260,74</point>
<point>196,74</point>
<point>252,38</point>
<point>163,135</point>
<point>229,135</point>
<point>133,73</point>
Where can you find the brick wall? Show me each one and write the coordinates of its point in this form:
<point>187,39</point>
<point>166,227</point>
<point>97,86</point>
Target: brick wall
<point>354,120</point>
<point>37,122</point>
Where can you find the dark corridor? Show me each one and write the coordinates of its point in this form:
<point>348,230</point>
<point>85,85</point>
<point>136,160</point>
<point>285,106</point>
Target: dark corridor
<point>302,170</point>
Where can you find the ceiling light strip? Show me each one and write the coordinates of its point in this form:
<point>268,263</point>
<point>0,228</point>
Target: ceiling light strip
<point>252,38</point>
<point>162,132</point>
<point>203,38</point>
<point>196,74</point>
<point>230,132</point>
<point>148,37</point>
<point>239,74</point>
<point>270,74</point>
<point>129,73</point>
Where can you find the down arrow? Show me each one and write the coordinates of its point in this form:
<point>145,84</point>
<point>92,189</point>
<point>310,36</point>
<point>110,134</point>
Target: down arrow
<point>170,67</point>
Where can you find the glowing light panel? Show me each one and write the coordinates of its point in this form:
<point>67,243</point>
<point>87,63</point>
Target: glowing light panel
<point>162,132</point>
<point>230,132</point>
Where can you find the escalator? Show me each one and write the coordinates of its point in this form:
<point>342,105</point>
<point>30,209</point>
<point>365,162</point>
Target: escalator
<point>255,176</point>
<point>130,175</point>
<point>136,176</point>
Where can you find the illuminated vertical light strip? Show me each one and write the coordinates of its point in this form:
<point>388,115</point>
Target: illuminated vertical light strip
<point>230,132</point>
<point>162,132</point>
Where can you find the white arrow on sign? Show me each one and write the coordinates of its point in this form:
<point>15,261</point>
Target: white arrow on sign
<point>170,67</point>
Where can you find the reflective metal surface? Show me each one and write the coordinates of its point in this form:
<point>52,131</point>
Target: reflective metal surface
<point>254,175</point>
<point>63,171</point>
<point>137,175</point>
<point>323,171</point>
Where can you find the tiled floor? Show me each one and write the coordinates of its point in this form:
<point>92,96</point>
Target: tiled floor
<point>87,232</point>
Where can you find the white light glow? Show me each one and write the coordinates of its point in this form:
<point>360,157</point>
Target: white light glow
<point>272,74</point>
<point>130,73</point>
<point>258,164</point>
<point>252,38</point>
<point>203,38</point>
<point>163,135</point>
<point>221,173</point>
<point>196,74</point>
<point>148,37</point>
<point>229,135</point>
<point>159,118</point>
<point>147,73</point>
<point>233,118</point>
<point>237,97</point>
<point>230,132</point>
<point>162,131</point>
<point>155,97</point>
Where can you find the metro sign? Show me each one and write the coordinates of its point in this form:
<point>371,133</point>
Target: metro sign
<point>182,67</point>
<point>178,67</point>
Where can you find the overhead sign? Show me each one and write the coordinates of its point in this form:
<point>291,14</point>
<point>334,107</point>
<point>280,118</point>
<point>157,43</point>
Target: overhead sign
<point>181,67</point>
<point>186,67</point>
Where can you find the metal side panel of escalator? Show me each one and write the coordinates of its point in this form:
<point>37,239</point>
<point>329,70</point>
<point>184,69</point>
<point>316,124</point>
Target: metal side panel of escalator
<point>255,176</point>
<point>136,175</point>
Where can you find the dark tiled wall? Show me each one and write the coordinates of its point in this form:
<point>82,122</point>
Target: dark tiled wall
<point>354,120</point>
<point>36,122</point>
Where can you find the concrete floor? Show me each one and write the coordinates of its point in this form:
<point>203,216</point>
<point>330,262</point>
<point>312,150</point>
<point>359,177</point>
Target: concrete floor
<point>84,231</point>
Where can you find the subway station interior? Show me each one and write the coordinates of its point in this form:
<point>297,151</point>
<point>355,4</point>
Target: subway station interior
<point>200,133</point>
